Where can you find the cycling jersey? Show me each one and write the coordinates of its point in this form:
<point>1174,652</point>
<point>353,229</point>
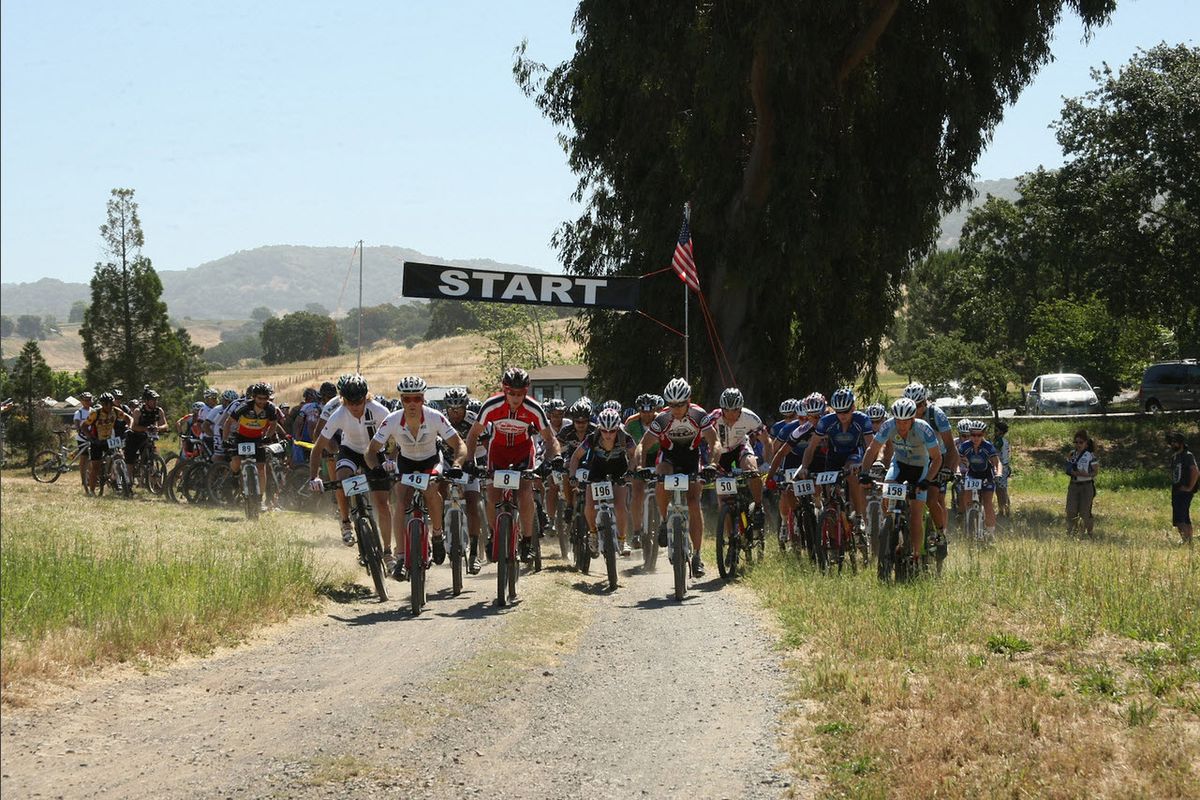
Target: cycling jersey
<point>422,445</point>
<point>847,441</point>
<point>735,434</point>
<point>913,449</point>
<point>102,424</point>
<point>637,430</point>
<point>251,422</point>
<point>978,461</point>
<point>795,435</point>
<point>79,420</point>
<point>512,430</point>
<point>570,438</point>
<point>356,433</point>
<point>330,407</point>
<point>937,419</point>
<point>681,434</point>
<point>593,447</point>
<point>777,429</point>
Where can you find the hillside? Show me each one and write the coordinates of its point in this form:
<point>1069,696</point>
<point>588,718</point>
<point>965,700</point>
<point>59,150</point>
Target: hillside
<point>281,277</point>
<point>65,352</point>
<point>952,223</point>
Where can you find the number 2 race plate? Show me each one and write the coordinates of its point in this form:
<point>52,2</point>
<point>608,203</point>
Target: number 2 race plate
<point>356,484</point>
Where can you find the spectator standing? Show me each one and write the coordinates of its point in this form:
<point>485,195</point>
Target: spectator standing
<point>1184,474</point>
<point>1081,467</point>
<point>81,440</point>
<point>1004,450</point>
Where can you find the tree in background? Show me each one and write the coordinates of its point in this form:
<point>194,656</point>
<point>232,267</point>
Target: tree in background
<point>127,340</point>
<point>386,321</point>
<point>7,328</point>
<point>64,384</point>
<point>30,381</point>
<point>317,308</point>
<point>818,144</point>
<point>299,336</point>
<point>78,308</point>
<point>262,314</point>
<point>450,318</point>
<point>29,326</point>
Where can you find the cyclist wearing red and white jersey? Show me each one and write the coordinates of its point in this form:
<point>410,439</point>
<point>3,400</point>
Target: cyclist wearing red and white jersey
<point>514,418</point>
<point>735,426</point>
<point>679,431</point>
<point>416,429</point>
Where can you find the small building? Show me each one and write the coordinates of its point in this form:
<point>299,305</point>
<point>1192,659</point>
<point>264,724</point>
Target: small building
<point>568,382</point>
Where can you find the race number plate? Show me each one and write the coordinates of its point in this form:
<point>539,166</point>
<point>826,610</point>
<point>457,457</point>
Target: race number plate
<point>726,486</point>
<point>894,491</point>
<point>602,490</point>
<point>827,478</point>
<point>675,483</point>
<point>417,480</point>
<point>803,488</point>
<point>114,443</point>
<point>581,475</point>
<point>356,484</point>
<point>506,479</point>
<point>275,448</point>
<point>972,484</point>
<point>245,448</point>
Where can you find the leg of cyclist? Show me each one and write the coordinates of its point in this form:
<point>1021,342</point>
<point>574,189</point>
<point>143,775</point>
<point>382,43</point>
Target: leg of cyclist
<point>489,508</point>
<point>696,526</point>
<point>528,512</point>
<point>749,464</point>
<point>398,533</point>
<point>435,507</point>
<point>638,498</point>
<point>589,513</point>
<point>621,495</point>
<point>472,500</point>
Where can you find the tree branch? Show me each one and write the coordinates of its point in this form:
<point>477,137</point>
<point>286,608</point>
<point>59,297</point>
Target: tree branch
<point>756,178</point>
<point>866,40</point>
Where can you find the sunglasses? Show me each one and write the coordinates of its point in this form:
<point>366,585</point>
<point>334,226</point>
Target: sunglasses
<point>418,398</point>
<point>677,405</point>
<point>977,433</point>
<point>515,392</point>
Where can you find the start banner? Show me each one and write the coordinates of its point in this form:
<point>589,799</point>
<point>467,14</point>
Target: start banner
<point>527,288</point>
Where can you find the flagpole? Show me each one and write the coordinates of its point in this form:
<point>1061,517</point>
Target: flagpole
<point>686,374</point>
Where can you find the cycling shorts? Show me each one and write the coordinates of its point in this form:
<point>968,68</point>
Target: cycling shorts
<point>730,458</point>
<point>909,473</point>
<point>519,456</point>
<point>431,465</point>
<point>356,462</point>
<point>681,460</point>
<point>231,447</point>
<point>606,469</point>
<point>97,449</point>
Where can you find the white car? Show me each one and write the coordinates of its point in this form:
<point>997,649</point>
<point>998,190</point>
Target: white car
<point>1061,393</point>
<point>955,404</point>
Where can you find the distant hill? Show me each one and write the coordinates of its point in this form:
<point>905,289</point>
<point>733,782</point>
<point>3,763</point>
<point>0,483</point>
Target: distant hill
<point>281,277</point>
<point>952,223</point>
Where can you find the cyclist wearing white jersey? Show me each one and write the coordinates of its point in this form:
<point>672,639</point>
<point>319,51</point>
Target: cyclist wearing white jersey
<point>416,429</point>
<point>940,423</point>
<point>915,458</point>
<point>735,426</point>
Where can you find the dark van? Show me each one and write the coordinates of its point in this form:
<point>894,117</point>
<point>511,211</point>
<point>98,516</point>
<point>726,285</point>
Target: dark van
<point>1170,385</point>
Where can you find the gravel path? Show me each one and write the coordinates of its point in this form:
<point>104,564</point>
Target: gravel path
<point>575,692</point>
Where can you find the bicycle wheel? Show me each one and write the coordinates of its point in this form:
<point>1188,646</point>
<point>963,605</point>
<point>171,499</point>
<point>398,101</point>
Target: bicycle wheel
<point>583,553</point>
<point>193,483</point>
<point>47,466</point>
<point>172,484</point>
<point>513,561</point>
<point>458,550</point>
<point>250,491</point>
<point>886,552</point>
<point>560,526</point>
<point>416,563</point>
<point>608,541</point>
<point>221,485</point>
<point>650,534</point>
<point>503,533</point>
<point>808,530</point>
<point>679,561</point>
<point>124,480</point>
<point>727,542</point>
<point>154,473</point>
<point>536,544</point>
<point>371,551</point>
<point>823,538</point>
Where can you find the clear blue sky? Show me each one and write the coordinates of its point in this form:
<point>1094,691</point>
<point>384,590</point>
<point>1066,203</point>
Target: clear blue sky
<point>247,124</point>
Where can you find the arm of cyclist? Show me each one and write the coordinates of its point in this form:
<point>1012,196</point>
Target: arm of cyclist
<point>576,460</point>
<point>951,460</point>
<point>477,429</point>
<point>817,441</point>
<point>648,440</point>
<point>714,449</point>
<point>314,462</point>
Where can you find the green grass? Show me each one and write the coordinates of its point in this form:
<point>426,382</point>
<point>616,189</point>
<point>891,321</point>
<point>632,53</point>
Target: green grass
<point>100,581</point>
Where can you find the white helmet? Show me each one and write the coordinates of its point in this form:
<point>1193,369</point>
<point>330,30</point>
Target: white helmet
<point>978,425</point>
<point>843,399</point>
<point>813,405</point>
<point>964,426</point>
<point>876,411</point>
<point>916,392</point>
<point>677,391</point>
<point>904,408</point>
<point>609,420</point>
<point>789,406</point>
<point>731,399</point>
<point>411,384</point>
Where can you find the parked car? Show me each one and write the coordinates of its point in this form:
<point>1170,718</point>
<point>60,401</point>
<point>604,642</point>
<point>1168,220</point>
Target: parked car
<point>1170,385</point>
<point>1061,393</point>
<point>954,403</point>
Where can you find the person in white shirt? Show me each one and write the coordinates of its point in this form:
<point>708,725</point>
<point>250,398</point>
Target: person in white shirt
<point>1081,491</point>
<point>81,441</point>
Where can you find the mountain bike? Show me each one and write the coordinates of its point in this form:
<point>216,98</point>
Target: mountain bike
<point>873,511</point>
<point>834,538</point>
<point>603,495</point>
<point>737,538</point>
<point>894,548</point>
<point>973,529</point>
<point>114,470</point>
<point>48,465</point>
<point>251,490</point>
<point>150,471</point>
<point>559,522</point>
<point>679,540</point>
<point>649,518</point>
<point>366,531</point>
<point>506,532</point>
<point>802,524</point>
<point>581,546</point>
<point>417,551</point>
<point>454,517</point>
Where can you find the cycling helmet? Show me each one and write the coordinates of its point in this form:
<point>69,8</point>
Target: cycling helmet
<point>311,395</point>
<point>978,426</point>
<point>609,420</point>
<point>964,426</point>
<point>228,396</point>
<point>731,399</point>
<point>876,411</point>
<point>342,382</point>
<point>354,388</point>
<point>658,400</point>
<point>86,396</point>
<point>260,389</point>
<point>515,378</point>
<point>581,410</point>
<point>812,406</point>
<point>328,390</point>
<point>615,405</point>
<point>106,397</point>
<point>473,408</point>
<point>644,402</point>
<point>916,392</point>
<point>677,391</point>
<point>843,399</point>
<point>455,398</point>
<point>117,394</point>
<point>412,384</point>
<point>196,406</point>
<point>149,394</point>
<point>210,392</point>
<point>904,408</point>
<point>555,404</point>
<point>585,401</point>
<point>789,406</point>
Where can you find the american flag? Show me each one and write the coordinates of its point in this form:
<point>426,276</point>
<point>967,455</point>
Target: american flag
<point>684,262</point>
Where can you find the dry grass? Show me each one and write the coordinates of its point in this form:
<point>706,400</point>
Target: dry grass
<point>65,353</point>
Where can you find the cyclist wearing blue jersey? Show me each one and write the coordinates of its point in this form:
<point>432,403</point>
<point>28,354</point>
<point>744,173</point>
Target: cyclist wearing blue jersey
<point>915,457</point>
<point>940,423</point>
<point>979,459</point>
<point>788,410</point>
<point>794,438</point>
<point>848,432</point>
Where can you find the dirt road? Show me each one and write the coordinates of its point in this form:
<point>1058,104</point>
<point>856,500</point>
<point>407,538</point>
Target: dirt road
<point>574,692</point>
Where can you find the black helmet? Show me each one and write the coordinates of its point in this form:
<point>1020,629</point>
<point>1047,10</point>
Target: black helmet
<point>106,397</point>
<point>515,378</point>
<point>117,394</point>
<point>456,398</point>
<point>328,390</point>
<point>260,389</point>
<point>149,394</point>
<point>354,388</point>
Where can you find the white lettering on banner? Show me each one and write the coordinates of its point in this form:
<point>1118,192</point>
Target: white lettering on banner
<point>519,286</point>
<point>557,289</point>
<point>454,283</point>
<point>487,282</point>
<point>590,285</point>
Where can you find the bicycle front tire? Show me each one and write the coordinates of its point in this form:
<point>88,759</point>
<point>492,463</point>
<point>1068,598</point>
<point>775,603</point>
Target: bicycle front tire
<point>371,550</point>
<point>679,562</point>
<point>503,533</point>
<point>416,561</point>
<point>727,542</point>
<point>47,466</point>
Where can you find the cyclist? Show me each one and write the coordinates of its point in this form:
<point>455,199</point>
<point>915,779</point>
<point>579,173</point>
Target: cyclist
<point>331,405</point>
<point>645,409</point>
<point>81,441</point>
<point>940,423</point>
<point>350,428</point>
<point>570,437</point>
<point>606,453</point>
<point>304,423</point>
<point>456,402</point>
<point>214,423</point>
<point>915,457</point>
<point>251,419</point>
<point>736,426</point>
<point>556,410</point>
<point>149,421</point>
<point>515,417</point>
<point>416,429</point>
<point>789,410</point>
<point>964,432</point>
<point>980,460</point>
<point>119,402</point>
<point>680,430</point>
<point>847,431</point>
<point>99,427</point>
<point>877,414</point>
<point>1004,449</point>
<point>794,439</point>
